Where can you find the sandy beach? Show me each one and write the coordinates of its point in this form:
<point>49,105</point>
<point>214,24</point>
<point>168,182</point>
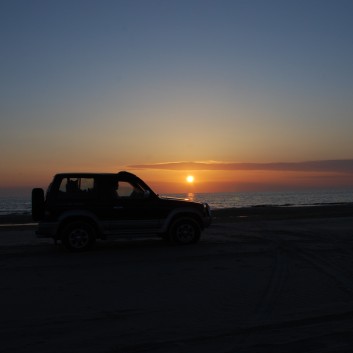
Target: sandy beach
<point>258,281</point>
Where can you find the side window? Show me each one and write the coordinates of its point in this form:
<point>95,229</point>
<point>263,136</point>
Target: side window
<point>76,188</point>
<point>86,184</point>
<point>125,189</point>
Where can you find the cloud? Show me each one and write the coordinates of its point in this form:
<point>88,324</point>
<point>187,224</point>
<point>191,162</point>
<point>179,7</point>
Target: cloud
<point>338,166</point>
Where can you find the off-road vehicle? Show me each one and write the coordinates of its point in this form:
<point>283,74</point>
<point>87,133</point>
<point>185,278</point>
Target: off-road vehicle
<point>79,208</point>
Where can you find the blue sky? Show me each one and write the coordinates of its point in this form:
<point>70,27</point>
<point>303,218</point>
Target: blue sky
<point>101,85</point>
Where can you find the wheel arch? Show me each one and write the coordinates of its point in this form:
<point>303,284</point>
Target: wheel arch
<point>182,214</point>
<point>65,221</point>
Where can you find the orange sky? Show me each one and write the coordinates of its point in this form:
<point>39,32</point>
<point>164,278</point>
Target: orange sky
<point>243,180</point>
<point>231,177</point>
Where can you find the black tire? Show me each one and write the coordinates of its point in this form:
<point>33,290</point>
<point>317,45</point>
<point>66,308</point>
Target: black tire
<point>37,204</point>
<point>78,236</point>
<point>185,231</point>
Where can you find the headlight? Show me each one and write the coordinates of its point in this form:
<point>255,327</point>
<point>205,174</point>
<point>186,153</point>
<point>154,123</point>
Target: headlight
<point>207,209</point>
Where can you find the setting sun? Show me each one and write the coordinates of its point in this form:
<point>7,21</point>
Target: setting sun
<point>190,179</point>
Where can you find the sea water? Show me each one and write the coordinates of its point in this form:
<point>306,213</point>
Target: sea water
<point>15,205</point>
<point>283,198</point>
<point>22,205</point>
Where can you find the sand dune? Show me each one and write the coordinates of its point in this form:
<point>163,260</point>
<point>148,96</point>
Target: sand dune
<point>249,286</point>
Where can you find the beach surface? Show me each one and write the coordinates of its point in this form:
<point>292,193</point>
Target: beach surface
<point>256,282</point>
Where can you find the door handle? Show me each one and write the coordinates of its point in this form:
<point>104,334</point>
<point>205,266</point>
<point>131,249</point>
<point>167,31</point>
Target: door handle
<point>118,207</point>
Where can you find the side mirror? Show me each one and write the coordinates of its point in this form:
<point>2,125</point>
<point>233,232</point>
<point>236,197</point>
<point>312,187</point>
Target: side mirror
<point>146,194</point>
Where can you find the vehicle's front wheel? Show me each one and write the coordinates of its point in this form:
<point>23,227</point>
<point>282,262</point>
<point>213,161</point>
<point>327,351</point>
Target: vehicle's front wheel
<point>185,231</point>
<point>78,236</point>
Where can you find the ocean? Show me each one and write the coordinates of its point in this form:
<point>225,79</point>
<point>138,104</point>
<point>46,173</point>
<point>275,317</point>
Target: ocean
<point>278,198</point>
<point>22,205</point>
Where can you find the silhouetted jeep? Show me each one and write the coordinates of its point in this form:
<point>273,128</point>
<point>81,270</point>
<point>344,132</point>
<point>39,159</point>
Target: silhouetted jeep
<point>78,208</point>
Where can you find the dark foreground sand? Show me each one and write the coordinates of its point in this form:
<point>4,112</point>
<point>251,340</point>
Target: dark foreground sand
<point>255,283</point>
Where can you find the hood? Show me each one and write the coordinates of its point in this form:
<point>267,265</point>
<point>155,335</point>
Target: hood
<point>173,198</point>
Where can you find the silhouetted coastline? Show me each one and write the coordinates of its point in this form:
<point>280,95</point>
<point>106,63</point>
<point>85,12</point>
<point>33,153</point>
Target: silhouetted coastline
<point>236,213</point>
<point>283,212</point>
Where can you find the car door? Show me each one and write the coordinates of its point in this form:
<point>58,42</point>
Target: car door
<point>131,212</point>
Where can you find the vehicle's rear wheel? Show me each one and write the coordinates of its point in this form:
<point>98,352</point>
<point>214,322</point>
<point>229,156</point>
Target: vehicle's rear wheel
<point>185,231</point>
<point>78,236</point>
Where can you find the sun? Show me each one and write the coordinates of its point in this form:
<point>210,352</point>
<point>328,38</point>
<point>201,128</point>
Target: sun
<point>190,179</point>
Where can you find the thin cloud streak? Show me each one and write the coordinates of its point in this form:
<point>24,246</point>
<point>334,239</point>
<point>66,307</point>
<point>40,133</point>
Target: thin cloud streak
<point>339,166</point>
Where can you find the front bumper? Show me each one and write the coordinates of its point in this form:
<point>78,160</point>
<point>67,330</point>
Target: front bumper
<point>207,219</point>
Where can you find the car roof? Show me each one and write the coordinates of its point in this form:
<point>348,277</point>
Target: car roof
<point>122,174</point>
<point>82,174</point>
